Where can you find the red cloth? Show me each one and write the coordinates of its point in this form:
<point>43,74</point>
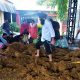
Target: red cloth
<point>33,31</point>
<point>24,27</point>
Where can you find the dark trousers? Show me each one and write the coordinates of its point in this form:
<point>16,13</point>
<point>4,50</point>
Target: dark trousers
<point>46,44</point>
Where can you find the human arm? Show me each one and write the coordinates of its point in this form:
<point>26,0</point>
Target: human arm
<point>52,41</point>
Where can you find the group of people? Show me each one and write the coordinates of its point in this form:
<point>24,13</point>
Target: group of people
<point>46,33</point>
<point>43,32</point>
<point>5,40</point>
<point>30,29</point>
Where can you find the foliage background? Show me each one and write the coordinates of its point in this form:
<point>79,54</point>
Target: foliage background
<point>62,7</point>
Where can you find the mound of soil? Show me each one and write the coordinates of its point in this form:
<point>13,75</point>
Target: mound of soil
<point>18,62</point>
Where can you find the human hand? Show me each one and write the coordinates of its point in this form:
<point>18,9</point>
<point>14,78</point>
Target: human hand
<point>52,41</point>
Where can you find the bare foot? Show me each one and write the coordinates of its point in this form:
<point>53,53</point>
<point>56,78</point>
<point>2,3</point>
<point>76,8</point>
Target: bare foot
<point>36,55</point>
<point>50,60</point>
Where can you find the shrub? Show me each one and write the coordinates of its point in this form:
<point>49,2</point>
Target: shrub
<point>14,27</point>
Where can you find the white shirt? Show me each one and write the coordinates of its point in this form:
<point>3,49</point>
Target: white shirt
<point>47,31</point>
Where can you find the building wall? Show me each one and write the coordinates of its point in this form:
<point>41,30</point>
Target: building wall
<point>6,11</point>
<point>1,18</point>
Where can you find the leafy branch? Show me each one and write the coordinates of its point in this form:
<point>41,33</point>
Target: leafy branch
<point>61,5</point>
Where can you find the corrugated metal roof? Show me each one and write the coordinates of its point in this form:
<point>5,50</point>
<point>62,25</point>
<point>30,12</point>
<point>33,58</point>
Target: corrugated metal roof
<point>2,7</point>
<point>7,7</point>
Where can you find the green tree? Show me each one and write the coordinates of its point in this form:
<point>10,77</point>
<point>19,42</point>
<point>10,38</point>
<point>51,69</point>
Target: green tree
<point>61,5</point>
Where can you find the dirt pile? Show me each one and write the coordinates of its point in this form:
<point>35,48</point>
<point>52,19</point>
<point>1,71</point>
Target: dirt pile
<point>17,62</point>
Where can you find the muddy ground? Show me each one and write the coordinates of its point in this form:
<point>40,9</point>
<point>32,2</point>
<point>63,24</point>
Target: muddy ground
<point>18,62</point>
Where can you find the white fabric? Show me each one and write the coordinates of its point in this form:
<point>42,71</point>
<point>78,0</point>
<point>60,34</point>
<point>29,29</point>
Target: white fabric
<point>78,36</point>
<point>47,31</point>
<point>29,36</point>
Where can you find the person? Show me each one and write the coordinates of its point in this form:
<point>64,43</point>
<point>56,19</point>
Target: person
<point>62,42</point>
<point>24,27</point>
<point>3,41</point>
<point>77,38</point>
<point>11,38</point>
<point>4,35</point>
<point>24,38</point>
<point>47,38</point>
<point>33,31</point>
<point>39,25</point>
<point>56,27</point>
<point>6,27</point>
<point>78,34</point>
<point>17,38</point>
